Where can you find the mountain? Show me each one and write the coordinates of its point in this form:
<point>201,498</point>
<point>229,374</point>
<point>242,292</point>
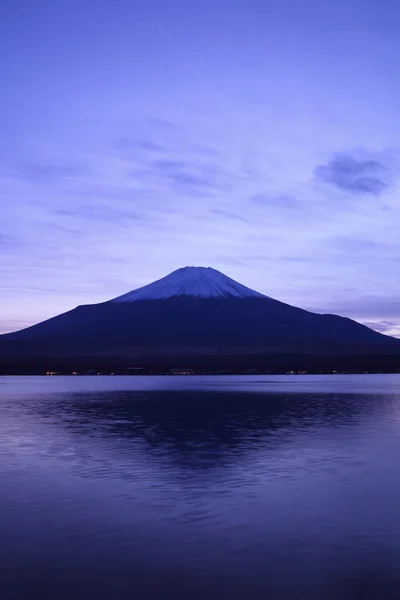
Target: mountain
<point>187,316</point>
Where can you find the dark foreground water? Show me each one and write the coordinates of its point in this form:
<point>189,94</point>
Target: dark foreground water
<point>237,488</point>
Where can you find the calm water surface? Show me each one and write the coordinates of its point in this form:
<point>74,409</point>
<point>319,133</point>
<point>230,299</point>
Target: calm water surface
<point>236,487</point>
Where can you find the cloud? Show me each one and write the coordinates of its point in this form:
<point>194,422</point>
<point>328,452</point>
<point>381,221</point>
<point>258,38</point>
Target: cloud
<point>366,174</point>
<point>245,260</point>
<point>186,181</point>
<point>357,246</point>
<point>126,144</point>
<point>206,150</point>
<point>9,243</point>
<point>102,213</point>
<point>368,306</point>
<point>276,200</point>
<point>6,240</point>
<point>227,214</point>
<point>170,166</point>
<point>36,171</point>
<point>390,327</point>
<point>184,177</point>
<point>164,158</point>
<point>163,124</point>
<point>296,259</point>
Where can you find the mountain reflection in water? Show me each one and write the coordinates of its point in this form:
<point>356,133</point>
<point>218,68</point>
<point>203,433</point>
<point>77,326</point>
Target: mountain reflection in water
<point>193,493</point>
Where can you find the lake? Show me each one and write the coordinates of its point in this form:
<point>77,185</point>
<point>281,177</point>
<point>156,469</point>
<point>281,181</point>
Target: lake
<point>200,487</point>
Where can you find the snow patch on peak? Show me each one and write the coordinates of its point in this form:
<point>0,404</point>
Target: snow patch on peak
<point>198,282</point>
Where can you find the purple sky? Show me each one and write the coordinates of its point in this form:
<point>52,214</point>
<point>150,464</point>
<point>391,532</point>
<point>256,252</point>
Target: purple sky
<point>257,137</point>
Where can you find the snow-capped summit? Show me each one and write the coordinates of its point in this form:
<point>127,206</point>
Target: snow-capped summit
<point>199,282</point>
